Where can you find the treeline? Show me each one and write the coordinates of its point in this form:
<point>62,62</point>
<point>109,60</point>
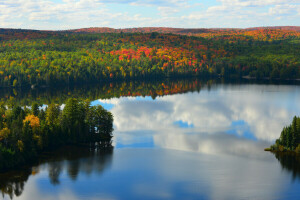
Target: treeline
<point>262,34</point>
<point>68,58</point>
<point>25,132</point>
<point>290,138</point>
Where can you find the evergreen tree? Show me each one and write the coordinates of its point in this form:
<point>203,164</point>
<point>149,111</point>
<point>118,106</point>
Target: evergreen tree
<point>290,136</point>
<point>35,109</point>
<point>25,133</point>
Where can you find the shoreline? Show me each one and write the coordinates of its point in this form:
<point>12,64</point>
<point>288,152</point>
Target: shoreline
<point>278,151</point>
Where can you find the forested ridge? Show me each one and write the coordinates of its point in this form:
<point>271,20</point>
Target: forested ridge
<point>46,58</point>
<point>25,132</point>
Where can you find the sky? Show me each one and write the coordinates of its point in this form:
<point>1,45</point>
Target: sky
<point>72,14</point>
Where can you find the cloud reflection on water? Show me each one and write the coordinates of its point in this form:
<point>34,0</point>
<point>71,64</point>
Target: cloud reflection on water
<point>164,174</point>
<point>229,119</point>
<point>229,125</point>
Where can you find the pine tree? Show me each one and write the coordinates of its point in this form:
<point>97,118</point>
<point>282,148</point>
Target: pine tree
<point>52,114</point>
<point>294,133</point>
<point>289,137</point>
<point>298,130</point>
<point>70,118</point>
<point>283,137</point>
<point>35,109</point>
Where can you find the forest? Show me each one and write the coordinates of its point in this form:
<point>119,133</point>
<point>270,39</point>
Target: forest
<point>40,58</point>
<point>289,139</point>
<point>25,132</point>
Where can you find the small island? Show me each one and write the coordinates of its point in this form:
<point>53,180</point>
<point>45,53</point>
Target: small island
<point>289,140</point>
<point>26,132</point>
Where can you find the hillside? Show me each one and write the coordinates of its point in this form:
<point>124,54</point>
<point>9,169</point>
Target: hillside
<point>257,33</point>
<point>231,34</point>
<point>179,30</point>
<point>39,58</point>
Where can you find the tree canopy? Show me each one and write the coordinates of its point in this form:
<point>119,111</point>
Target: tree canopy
<point>47,58</point>
<point>290,138</point>
<point>27,131</point>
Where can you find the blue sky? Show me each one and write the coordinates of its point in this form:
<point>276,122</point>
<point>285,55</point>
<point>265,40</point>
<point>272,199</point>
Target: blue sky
<point>69,14</point>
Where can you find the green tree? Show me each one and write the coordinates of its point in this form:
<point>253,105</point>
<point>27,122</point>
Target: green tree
<point>35,109</point>
<point>15,83</point>
<point>52,115</point>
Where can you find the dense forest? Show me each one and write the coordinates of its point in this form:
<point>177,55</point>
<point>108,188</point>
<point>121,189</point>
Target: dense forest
<point>282,31</point>
<point>289,139</point>
<point>36,58</point>
<point>27,131</point>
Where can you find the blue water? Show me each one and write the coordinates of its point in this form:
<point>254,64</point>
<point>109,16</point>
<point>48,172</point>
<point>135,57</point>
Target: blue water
<point>206,145</point>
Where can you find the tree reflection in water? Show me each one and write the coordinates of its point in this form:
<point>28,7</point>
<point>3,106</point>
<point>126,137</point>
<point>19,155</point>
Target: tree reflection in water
<point>290,162</point>
<point>73,160</point>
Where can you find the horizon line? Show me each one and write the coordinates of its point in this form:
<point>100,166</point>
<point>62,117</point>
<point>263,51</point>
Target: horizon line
<point>99,27</point>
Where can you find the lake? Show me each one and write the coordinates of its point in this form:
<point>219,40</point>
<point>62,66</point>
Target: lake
<point>186,139</point>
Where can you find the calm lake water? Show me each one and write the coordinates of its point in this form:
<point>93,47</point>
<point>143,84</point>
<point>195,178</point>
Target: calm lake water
<point>203,140</point>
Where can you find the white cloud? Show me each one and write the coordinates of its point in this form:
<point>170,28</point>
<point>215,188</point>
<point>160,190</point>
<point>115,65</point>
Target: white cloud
<point>247,13</point>
<point>47,14</point>
<point>169,3</point>
<point>285,9</point>
<point>250,3</point>
<point>166,11</point>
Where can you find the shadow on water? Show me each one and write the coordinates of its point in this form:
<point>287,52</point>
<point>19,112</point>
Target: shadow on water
<point>73,160</point>
<point>289,162</point>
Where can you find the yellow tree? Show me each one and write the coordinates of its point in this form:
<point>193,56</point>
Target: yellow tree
<point>33,120</point>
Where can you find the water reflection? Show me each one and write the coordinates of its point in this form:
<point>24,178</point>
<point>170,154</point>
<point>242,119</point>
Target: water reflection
<point>162,174</point>
<point>289,162</point>
<point>233,119</point>
<point>73,160</point>
<point>174,139</point>
<point>12,184</point>
<point>105,90</point>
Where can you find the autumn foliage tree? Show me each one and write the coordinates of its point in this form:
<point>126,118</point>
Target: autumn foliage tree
<point>26,132</point>
<point>66,58</point>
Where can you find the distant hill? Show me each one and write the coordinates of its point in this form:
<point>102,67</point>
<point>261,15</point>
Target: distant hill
<point>287,28</point>
<point>184,31</point>
<point>50,58</point>
<point>8,33</point>
<point>257,33</point>
<point>178,30</point>
<point>153,29</point>
<point>139,30</point>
